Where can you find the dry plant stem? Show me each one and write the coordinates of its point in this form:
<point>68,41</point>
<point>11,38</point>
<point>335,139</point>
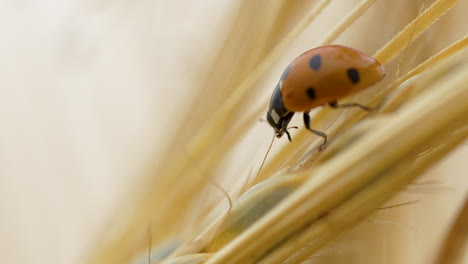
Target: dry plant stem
<point>350,137</point>
<point>335,181</point>
<point>423,21</point>
<point>410,89</point>
<point>251,206</point>
<point>355,209</point>
<point>455,243</point>
<point>443,54</point>
<point>346,22</point>
<point>384,56</point>
<point>405,92</point>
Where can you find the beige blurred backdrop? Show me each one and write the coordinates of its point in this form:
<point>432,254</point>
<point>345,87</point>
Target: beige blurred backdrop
<point>90,90</point>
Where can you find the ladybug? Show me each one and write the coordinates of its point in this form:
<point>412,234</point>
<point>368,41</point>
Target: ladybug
<point>318,77</point>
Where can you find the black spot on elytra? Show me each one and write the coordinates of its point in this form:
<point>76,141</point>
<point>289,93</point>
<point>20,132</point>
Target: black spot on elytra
<point>311,93</point>
<point>315,62</point>
<point>353,75</point>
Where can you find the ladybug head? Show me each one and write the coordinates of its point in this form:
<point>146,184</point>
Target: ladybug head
<point>278,116</point>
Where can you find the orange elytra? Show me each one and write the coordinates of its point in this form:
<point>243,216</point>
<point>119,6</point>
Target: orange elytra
<point>318,77</point>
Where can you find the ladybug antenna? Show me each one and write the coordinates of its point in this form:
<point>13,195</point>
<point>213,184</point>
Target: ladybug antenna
<point>289,135</point>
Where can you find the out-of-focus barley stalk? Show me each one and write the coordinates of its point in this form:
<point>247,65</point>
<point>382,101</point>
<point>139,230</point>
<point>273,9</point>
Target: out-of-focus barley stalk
<point>453,249</point>
<point>346,22</point>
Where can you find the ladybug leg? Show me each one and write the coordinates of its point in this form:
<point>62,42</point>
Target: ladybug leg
<point>318,133</point>
<point>335,104</point>
<point>289,135</point>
